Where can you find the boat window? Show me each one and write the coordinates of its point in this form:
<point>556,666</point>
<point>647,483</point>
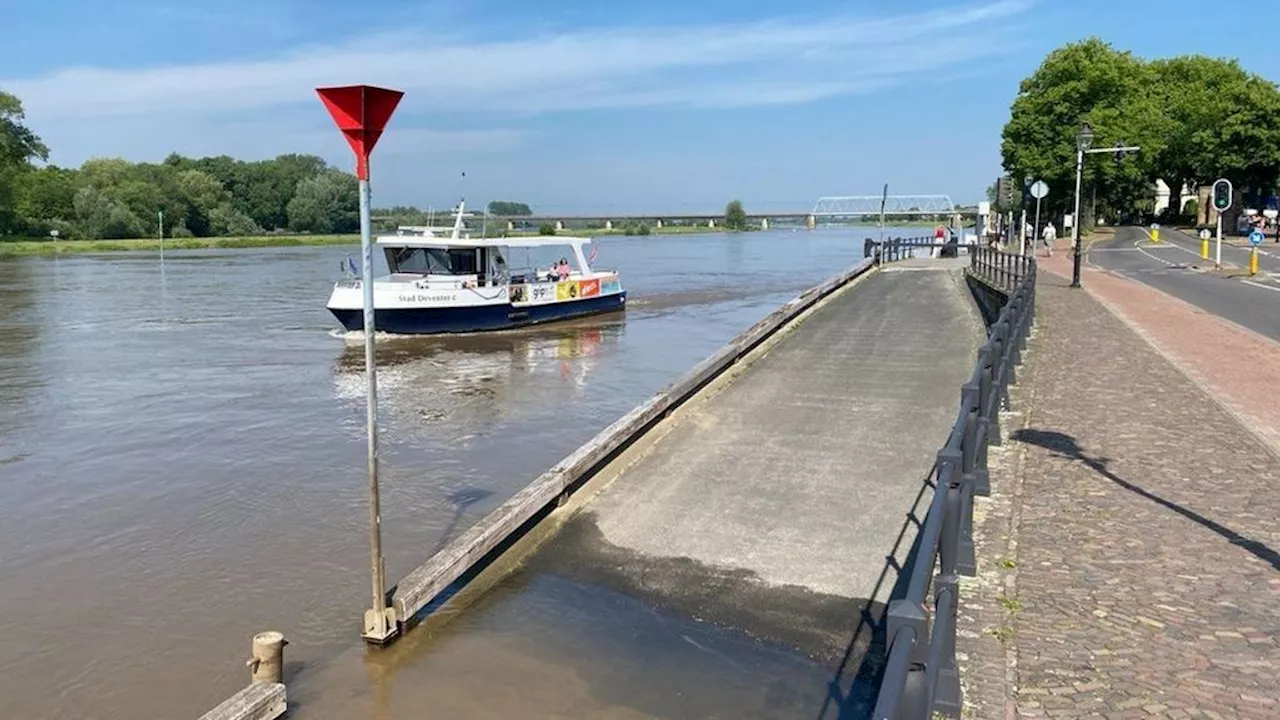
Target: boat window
<point>434,261</point>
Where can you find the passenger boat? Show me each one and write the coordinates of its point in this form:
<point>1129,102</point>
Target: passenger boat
<point>454,283</point>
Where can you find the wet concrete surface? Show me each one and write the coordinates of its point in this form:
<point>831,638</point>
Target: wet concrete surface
<point>781,505</point>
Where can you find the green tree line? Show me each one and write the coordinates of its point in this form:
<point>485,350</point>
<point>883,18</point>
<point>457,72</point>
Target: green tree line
<point>113,198</point>
<point>1196,119</point>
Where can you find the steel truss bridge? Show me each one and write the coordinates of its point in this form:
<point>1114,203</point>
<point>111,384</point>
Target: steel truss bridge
<point>859,205</point>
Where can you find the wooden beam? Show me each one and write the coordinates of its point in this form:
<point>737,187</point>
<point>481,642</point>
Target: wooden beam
<point>259,701</point>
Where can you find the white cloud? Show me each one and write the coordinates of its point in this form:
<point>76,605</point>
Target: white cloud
<point>502,75</point>
<point>196,108</point>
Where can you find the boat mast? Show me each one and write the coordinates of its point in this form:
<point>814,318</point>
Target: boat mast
<point>457,223</point>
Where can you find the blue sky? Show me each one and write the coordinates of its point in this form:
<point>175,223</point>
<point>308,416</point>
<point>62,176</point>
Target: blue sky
<point>622,106</point>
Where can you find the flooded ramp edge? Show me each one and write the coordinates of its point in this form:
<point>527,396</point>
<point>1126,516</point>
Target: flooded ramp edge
<point>725,550</point>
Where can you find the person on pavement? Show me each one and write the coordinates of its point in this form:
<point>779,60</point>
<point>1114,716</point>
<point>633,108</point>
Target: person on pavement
<point>1049,234</point>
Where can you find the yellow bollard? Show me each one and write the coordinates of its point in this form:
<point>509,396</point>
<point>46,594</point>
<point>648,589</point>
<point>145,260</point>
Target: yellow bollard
<point>1204,249</point>
<point>1155,235</point>
<point>1253,261</point>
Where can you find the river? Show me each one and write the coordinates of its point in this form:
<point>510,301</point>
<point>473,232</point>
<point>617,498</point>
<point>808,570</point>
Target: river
<point>182,465</point>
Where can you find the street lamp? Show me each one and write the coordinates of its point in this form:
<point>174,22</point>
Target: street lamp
<point>1084,140</point>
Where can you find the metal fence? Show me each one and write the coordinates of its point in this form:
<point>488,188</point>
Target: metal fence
<point>901,248</point>
<point>920,676</point>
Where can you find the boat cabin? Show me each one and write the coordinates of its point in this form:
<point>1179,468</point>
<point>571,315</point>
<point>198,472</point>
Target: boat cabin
<point>450,262</point>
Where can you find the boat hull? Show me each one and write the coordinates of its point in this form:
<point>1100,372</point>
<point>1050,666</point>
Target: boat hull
<point>480,318</point>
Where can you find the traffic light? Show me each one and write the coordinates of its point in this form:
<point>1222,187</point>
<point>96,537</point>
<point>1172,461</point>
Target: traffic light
<point>1221,195</point>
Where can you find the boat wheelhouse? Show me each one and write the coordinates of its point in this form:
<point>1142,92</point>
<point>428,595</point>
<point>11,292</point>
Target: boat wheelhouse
<point>455,284</point>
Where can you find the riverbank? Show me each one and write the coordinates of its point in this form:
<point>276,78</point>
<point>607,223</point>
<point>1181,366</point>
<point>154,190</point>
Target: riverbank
<point>51,248</point>
<point>78,247</point>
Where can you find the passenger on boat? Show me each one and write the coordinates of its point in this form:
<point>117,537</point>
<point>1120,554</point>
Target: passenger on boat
<point>562,270</point>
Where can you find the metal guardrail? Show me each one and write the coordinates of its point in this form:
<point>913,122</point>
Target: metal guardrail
<point>921,677</point>
<point>902,248</point>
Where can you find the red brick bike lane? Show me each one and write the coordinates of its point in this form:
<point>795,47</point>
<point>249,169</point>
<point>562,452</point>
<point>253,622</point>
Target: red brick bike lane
<point>1236,366</point>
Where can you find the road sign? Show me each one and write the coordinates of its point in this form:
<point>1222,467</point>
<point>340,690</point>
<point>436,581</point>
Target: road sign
<point>361,112</point>
<point>1039,189</point>
<point>1256,237</point>
<point>1222,194</point>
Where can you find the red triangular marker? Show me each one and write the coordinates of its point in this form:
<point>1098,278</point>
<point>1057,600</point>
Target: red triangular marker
<point>361,113</point>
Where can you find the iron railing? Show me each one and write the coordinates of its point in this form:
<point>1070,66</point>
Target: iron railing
<point>901,248</point>
<point>920,675</point>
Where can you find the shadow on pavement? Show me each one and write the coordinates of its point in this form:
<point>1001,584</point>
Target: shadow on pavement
<point>1066,446</point>
<point>868,638</point>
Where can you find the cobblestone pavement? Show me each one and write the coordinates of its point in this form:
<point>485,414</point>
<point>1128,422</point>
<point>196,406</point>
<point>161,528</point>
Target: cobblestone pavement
<point>1237,366</point>
<point>1129,551</point>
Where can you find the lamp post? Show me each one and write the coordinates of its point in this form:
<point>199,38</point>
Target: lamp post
<point>1084,139</point>
<point>1022,229</point>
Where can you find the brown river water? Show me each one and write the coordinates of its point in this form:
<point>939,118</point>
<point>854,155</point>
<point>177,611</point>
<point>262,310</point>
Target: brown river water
<point>182,465</point>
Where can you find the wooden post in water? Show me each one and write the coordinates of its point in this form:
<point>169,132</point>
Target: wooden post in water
<point>267,663</point>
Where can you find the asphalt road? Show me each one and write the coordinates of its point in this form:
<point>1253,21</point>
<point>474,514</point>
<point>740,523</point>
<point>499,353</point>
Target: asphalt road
<point>1174,266</point>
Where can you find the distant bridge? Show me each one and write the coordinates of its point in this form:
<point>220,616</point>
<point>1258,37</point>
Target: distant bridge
<point>835,207</point>
<point>859,205</point>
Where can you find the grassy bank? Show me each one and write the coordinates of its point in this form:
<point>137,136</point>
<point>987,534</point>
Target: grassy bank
<point>75,247</point>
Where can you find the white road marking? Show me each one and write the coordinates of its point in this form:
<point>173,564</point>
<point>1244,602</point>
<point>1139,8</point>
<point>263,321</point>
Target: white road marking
<point>1153,257</point>
<point>1258,284</point>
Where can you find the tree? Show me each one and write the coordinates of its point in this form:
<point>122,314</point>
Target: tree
<point>326,203</point>
<point>99,215</point>
<point>1087,81</point>
<point>509,209</point>
<point>1222,122</point>
<point>44,199</point>
<point>265,188</point>
<point>18,147</point>
<point>1195,118</point>
<point>735,218</point>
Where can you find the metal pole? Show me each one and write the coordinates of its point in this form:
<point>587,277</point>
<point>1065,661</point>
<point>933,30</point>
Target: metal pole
<point>1075,222</point>
<point>1217,260</point>
<point>160,215</point>
<point>884,197</point>
<point>1022,233</point>
<point>376,627</point>
<point>1036,228</point>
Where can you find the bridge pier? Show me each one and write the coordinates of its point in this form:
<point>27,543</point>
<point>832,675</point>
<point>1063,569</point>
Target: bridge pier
<point>711,223</point>
<point>810,222</point>
<point>658,223</point>
<point>608,224</point>
<point>559,225</point>
<point>764,223</point>
<point>511,225</point>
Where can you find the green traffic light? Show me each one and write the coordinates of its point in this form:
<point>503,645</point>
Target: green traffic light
<point>1221,195</point>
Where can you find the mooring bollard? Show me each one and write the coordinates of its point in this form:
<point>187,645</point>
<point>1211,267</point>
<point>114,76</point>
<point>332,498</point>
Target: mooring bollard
<point>267,663</point>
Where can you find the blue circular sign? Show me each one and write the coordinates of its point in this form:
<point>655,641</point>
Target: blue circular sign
<point>1256,237</point>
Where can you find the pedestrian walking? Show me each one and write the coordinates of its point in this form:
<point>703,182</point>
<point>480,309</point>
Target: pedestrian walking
<point>1049,234</point>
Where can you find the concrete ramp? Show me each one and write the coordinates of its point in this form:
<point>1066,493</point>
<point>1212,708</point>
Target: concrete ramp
<point>771,502</point>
